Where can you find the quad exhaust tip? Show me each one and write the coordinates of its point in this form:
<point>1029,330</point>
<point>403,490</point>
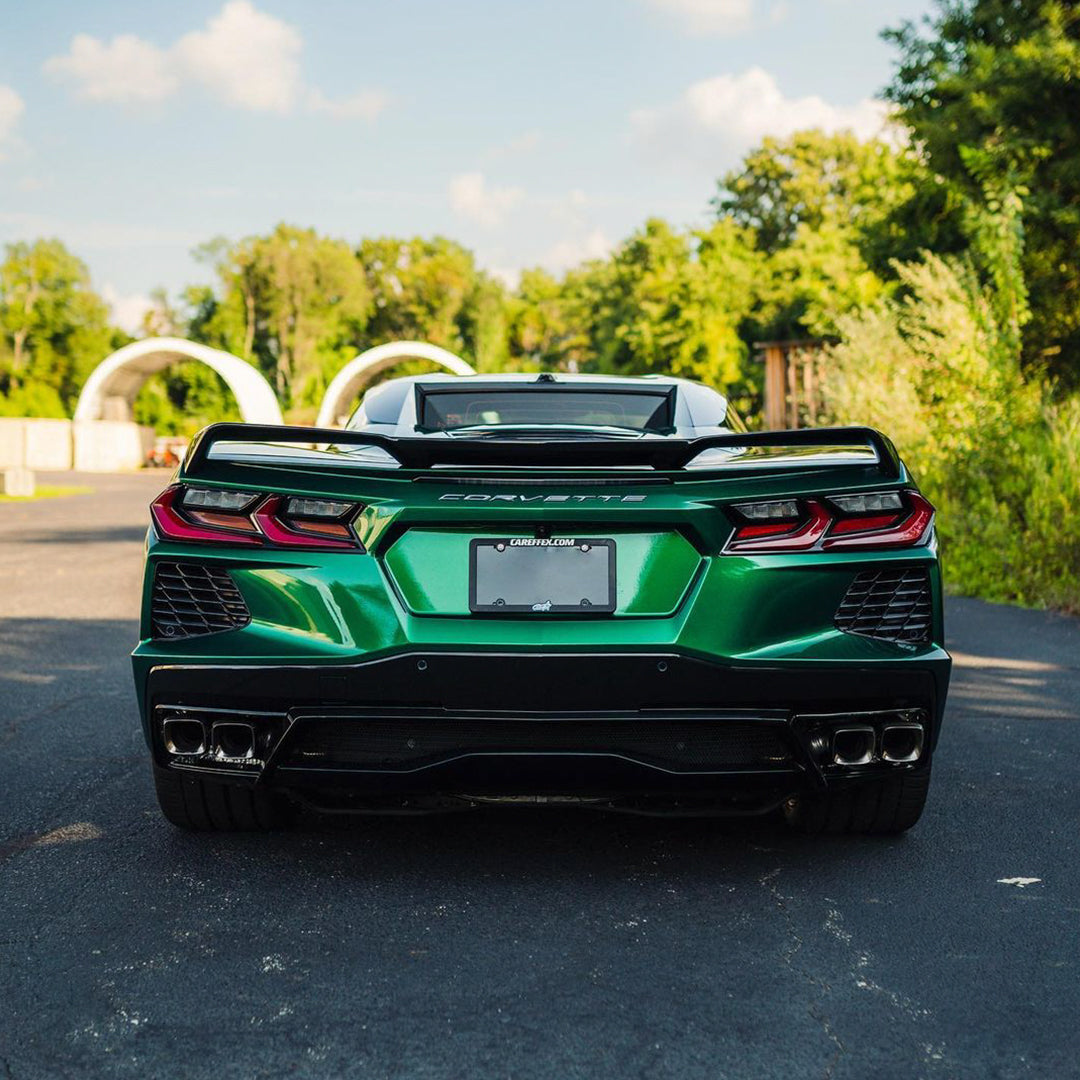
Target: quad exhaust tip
<point>853,745</point>
<point>184,736</point>
<point>901,743</point>
<point>187,737</point>
<point>870,738</point>
<point>232,739</point>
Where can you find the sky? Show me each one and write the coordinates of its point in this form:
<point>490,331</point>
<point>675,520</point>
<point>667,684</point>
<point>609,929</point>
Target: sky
<point>536,132</point>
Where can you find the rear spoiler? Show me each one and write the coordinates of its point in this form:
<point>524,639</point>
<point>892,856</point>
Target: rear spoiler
<point>660,453</point>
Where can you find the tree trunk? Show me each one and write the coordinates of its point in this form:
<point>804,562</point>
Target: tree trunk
<point>249,323</point>
<point>18,343</point>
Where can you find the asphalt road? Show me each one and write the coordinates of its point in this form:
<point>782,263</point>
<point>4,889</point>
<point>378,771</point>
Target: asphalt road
<point>515,944</point>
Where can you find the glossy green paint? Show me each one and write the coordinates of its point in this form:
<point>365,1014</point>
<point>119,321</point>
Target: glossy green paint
<point>409,589</point>
<point>430,570</point>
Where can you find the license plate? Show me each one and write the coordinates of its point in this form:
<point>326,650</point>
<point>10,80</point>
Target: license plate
<point>560,575</point>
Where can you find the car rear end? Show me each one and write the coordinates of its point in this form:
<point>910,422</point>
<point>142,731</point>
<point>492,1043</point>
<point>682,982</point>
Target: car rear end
<point>361,621</point>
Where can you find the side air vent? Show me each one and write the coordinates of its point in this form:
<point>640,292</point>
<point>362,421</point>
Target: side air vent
<point>191,599</point>
<point>891,604</point>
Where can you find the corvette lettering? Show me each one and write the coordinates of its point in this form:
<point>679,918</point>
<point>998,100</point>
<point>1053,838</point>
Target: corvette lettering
<point>455,497</point>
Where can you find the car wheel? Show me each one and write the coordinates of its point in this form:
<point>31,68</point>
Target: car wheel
<point>200,804</point>
<point>878,807</point>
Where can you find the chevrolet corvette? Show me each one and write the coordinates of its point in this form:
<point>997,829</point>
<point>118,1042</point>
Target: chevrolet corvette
<point>569,590</point>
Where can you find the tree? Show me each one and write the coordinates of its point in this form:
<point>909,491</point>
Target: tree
<point>830,213</point>
<point>991,91</point>
<point>671,303</point>
<point>432,290</point>
<point>812,180</point>
<point>542,327</point>
<point>53,327</point>
<point>293,301</point>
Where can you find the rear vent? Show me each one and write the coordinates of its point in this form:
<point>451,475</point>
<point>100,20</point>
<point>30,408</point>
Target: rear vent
<point>411,742</point>
<point>892,604</point>
<point>191,599</point>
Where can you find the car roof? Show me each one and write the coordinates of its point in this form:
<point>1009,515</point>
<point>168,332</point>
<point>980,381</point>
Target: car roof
<point>540,377</point>
<point>389,403</point>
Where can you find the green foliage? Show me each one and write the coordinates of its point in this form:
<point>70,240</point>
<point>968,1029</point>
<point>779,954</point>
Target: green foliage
<point>991,91</point>
<point>544,332</point>
<point>938,371</point>
<point>53,328</point>
<point>48,491</point>
<point>813,180</point>
<point>431,290</point>
<point>666,302</point>
<point>659,309</point>
<point>292,301</point>
<point>28,398</point>
<point>829,213</point>
<point>184,398</point>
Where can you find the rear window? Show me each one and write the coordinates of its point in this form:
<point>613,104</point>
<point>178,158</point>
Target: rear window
<point>638,410</point>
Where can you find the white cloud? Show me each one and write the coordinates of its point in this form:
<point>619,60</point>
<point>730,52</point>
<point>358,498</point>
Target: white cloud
<point>524,143</point>
<point>364,106</point>
<point>125,70</point>
<point>519,146</point>
<point>718,118</point>
<point>570,209</point>
<point>779,12</point>
<point>243,57</point>
<point>127,311</point>
<point>709,17</point>
<point>11,110</point>
<point>472,198</point>
<point>572,252</point>
<point>246,58</point>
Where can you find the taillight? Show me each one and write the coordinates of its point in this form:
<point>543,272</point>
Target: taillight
<point>306,529</point>
<point>905,527</point>
<point>874,521</point>
<point>215,516</point>
<point>176,521</point>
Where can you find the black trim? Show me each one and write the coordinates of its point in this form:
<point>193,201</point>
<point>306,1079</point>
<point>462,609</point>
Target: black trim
<point>438,687</point>
<point>403,741</point>
<point>192,599</point>
<point>657,452</point>
<point>557,681</point>
<point>665,396</point>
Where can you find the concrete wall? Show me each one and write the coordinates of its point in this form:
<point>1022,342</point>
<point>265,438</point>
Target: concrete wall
<point>110,445</point>
<point>48,445</point>
<point>89,446</point>
<point>12,443</point>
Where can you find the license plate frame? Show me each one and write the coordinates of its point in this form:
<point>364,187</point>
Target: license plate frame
<point>496,562</point>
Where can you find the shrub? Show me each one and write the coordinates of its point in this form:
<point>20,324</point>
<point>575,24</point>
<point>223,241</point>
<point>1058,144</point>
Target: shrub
<point>934,370</point>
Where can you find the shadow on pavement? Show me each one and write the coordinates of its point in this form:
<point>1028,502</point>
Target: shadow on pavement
<point>109,534</point>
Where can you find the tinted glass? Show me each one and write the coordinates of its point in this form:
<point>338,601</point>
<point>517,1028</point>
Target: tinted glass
<point>606,408</point>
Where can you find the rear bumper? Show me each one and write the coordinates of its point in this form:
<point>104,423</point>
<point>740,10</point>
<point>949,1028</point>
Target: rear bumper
<point>600,725</point>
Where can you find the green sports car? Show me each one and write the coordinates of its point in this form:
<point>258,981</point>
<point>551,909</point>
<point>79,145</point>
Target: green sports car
<point>542,589</point>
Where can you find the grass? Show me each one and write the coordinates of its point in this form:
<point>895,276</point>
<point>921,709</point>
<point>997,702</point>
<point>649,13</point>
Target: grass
<point>46,491</point>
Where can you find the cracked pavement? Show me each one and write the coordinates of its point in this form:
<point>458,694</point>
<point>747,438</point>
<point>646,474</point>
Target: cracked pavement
<point>515,944</point>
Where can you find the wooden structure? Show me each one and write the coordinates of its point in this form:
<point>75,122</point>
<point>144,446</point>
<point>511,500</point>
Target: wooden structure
<point>793,381</point>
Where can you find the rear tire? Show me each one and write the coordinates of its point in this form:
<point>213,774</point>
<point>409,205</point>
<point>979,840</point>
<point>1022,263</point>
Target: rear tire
<point>882,807</point>
<point>205,805</point>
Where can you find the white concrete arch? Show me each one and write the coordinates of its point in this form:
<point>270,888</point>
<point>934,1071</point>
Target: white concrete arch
<point>349,381</point>
<point>122,375</point>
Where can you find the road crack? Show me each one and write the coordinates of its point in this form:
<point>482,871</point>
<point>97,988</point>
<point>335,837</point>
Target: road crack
<point>795,944</point>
